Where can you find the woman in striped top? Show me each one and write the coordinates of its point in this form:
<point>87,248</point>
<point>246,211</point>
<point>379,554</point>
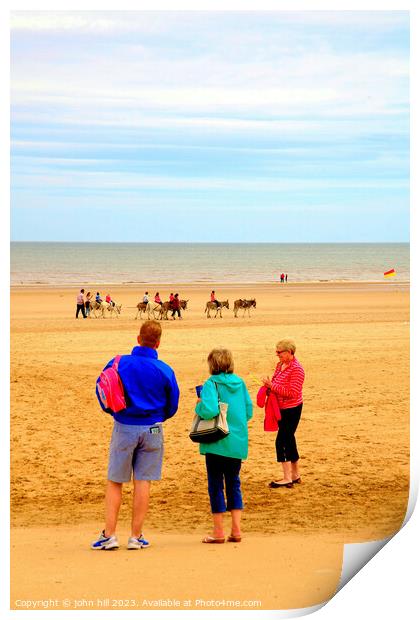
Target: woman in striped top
<point>287,383</point>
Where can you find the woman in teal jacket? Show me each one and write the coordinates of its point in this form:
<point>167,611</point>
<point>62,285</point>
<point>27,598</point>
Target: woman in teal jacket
<point>224,457</point>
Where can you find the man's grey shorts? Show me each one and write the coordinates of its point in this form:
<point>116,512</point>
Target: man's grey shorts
<point>137,449</point>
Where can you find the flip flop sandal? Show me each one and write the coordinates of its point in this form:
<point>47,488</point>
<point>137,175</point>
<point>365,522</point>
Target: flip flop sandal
<point>276,485</point>
<point>213,541</point>
<point>236,539</point>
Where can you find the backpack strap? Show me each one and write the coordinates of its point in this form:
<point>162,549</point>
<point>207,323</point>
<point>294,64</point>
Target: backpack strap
<point>116,362</point>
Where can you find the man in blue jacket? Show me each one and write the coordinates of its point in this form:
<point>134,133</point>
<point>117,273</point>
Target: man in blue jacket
<point>152,395</point>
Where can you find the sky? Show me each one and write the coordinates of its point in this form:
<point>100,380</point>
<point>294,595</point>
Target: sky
<point>210,126</point>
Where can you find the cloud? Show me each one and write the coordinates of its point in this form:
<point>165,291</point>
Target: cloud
<point>313,82</point>
<point>87,22</point>
<point>165,21</point>
<point>106,180</point>
<point>219,107</point>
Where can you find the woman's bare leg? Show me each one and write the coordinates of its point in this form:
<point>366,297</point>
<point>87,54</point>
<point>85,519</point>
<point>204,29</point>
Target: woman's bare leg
<point>287,473</point>
<point>218,531</point>
<point>295,470</point>
<point>236,521</point>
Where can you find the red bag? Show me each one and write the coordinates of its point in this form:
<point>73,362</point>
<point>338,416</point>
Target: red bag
<point>110,390</point>
<point>267,400</point>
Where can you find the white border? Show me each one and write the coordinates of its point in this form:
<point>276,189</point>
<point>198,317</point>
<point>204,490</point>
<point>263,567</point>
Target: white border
<point>387,587</point>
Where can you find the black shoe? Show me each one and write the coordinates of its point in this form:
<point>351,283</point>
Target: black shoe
<point>276,485</point>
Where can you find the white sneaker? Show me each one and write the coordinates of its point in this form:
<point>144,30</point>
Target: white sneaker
<point>137,543</point>
<point>105,542</point>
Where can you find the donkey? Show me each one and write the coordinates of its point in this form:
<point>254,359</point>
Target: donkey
<point>211,305</point>
<point>246,304</point>
<point>142,306</point>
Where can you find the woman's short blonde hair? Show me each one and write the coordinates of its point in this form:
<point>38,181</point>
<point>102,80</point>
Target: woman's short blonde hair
<point>220,360</point>
<point>286,345</point>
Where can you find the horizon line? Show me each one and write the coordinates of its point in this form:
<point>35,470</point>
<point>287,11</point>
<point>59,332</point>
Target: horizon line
<point>204,242</point>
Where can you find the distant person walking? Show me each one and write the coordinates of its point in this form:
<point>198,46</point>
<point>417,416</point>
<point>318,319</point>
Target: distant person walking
<point>87,303</point>
<point>80,304</point>
<point>136,449</point>
<point>285,278</point>
<point>176,307</point>
<point>282,278</point>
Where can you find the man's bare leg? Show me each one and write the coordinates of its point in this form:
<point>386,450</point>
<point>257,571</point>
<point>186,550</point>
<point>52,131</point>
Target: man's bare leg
<point>113,497</point>
<point>140,506</point>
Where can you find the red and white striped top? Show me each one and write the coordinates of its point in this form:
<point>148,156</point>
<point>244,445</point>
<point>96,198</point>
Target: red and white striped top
<point>287,384</point>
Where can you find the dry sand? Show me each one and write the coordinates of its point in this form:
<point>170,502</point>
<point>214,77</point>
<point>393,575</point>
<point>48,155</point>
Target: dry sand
<point>353,341</point>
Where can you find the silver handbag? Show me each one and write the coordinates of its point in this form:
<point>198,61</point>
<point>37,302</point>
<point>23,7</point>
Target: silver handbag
<point>208,431</point>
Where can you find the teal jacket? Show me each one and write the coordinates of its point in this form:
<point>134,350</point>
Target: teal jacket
<point>231,390</point>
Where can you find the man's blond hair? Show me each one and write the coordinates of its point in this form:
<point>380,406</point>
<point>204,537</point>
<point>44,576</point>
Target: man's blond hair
<point>150,334</point>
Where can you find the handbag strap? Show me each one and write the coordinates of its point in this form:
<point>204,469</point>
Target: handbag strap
<point>217,391</point>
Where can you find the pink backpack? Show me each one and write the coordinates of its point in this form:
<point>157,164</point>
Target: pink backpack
<point>110,390</point>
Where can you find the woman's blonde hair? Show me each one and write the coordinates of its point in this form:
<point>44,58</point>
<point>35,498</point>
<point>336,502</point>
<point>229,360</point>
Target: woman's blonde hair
<point>220,360</point>
<point>286,345</point>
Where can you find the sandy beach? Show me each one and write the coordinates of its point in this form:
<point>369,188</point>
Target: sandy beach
<point>353,341</point>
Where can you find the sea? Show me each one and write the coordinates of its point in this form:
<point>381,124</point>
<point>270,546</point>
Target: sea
<point>77,264</point>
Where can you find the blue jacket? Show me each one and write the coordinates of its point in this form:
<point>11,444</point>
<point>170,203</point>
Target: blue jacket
<point>150,388</point>
<point>230,389</point>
